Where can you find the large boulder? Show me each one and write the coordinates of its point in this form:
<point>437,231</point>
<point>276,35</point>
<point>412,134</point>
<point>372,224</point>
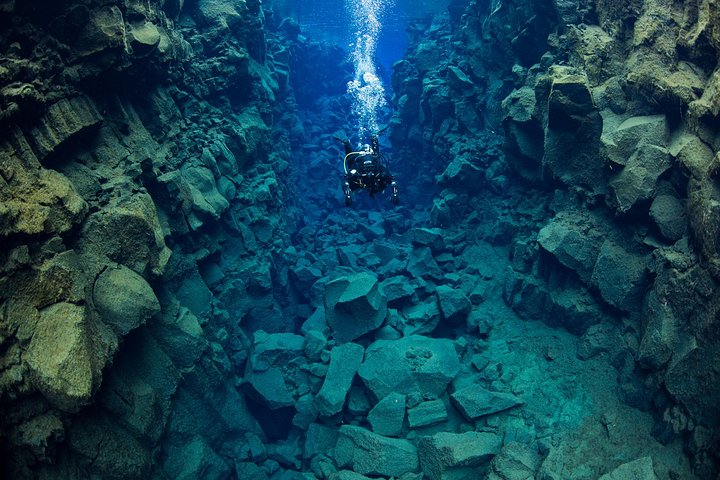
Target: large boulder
<point>61,357</point>
<point>638,179</point>
<point>620,276</point>
<point>621,138</point>
<point>124,299</point>
<point>106,449</point>
<point>457,455</point>
<point>574,240</point>
<point>128,232</point>
<point>104,31</point>
<point>344,362</point>
<point>474,401</point>
<point>413,364</point>
<point>454,304</point>
<point>138,389</point>
<point>668,213</point>
<point>368,453</point>
<point>354,306</point>
<point>696,386</point>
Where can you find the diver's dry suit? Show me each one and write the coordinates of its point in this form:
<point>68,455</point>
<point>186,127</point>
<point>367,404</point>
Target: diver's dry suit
<point>367,170</point>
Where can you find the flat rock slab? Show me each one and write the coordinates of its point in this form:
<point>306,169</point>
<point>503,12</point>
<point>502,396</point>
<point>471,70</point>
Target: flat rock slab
<point>475,401</point>
<point>368,453</point>
<point>344,362</point>
<point>413,364</point>
<point>453,452</point>
<point>427,413</point>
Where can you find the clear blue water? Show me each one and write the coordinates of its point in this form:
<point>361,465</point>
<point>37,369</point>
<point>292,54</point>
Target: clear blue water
<point>330,20</point>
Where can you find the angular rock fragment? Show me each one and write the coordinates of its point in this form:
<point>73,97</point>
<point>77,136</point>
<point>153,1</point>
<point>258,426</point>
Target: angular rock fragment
<point>574,240</point>
<point>319,439</point>
<point>368,453</point>
<point>524,136</point>
<point>397,289</point>
<point>620,276</point>
<point>454,305</point>
<point>475,401</point>
<point>344,362</point>
<point>427,413</point>
<point>388,415</point>
<point>63,365</point>
<point>421,264</point>
<point>270,370</point>
<point>572,135</point>
<point>128,232</point>
<point>668,213</point>
<point>621,142</point>
<point>638,180</point>
<point>640,469</point>
<point>63,121</point>
<point>413,364</point>
<point>515,461</point>
<point>354,306</point>
<point>428,237</point>
<point>422,318</point>
<point>124,299</point>
<point>447,455</point>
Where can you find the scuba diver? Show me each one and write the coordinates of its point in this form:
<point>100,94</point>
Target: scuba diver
<point>366,169</point>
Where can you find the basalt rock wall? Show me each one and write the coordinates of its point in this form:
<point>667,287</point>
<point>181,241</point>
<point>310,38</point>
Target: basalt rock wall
<point>142,226</point>
<point>599,171</point>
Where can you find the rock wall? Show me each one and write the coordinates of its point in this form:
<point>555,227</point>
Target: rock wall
<point>605,188</point>
<point>142,222</point>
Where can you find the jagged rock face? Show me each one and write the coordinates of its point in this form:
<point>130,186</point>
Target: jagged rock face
<point>121,149</point>
<point>611,108</point>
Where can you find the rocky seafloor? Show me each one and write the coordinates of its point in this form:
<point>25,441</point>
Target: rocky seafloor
<point>183,296</point>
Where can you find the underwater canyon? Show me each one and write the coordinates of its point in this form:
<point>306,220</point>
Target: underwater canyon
<point>184,294</point>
